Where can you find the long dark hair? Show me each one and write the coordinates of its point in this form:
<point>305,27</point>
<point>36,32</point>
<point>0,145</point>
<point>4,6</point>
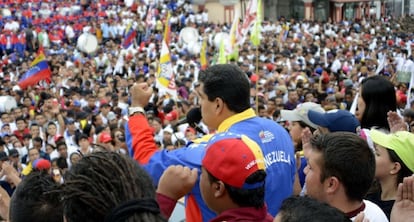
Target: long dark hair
<point>379,96</point>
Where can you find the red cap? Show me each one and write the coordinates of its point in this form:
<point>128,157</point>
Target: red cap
<point>232,158</point>
<point>173,115</point>
<point>270,67</point>
<point>41,164</point>
<point>105,137</point>
<point>401,97</point>
<point>103,101</point>
<point>254,77</point>
<point>57,137</point>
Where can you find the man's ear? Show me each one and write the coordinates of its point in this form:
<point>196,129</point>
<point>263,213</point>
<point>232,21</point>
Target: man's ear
<point>219,105</point>
<point>219,189</point>
<point>332,184</point>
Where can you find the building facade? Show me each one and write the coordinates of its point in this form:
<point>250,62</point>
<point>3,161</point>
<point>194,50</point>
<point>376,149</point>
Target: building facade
<point>321,10</point>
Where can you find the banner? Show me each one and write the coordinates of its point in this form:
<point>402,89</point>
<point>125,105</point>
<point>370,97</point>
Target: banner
<point>255,34</point>
<point>249,18</point>
<point>165,74</point>
<point>232,49</point>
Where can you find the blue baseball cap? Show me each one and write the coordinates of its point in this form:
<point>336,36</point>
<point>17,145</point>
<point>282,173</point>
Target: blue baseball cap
<point>330,90</point>
<point>335,120</point>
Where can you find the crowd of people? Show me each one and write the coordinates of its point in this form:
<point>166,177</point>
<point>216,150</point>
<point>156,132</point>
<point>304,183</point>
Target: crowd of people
<point>320,109</point>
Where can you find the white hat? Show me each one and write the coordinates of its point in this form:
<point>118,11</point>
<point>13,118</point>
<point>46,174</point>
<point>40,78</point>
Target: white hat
<point>111,116</point>
<point>168,129</point>
<point>301,113</point>
<point>16,88</point>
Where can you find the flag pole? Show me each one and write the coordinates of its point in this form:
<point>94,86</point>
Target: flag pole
<point>257,80</point>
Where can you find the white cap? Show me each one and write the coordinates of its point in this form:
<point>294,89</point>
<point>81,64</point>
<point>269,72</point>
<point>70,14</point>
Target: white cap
<point>301,113</point>
<point>168,129</point>
<point>16,88</point>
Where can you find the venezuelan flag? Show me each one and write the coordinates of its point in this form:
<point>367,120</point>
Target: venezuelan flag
<point>38,59</point>
<point>129,36</point>
<point>35,74</point>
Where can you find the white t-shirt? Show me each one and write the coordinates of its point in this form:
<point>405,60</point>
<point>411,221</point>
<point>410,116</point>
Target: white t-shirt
<point>373,213</point>
<point>405,65</point>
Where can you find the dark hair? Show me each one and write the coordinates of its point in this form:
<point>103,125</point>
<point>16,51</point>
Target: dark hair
<point>94,117</point>
<point>61,143</point>
<point>347,157</point>
<point>87,129</point>
<point>99,129</point>
<point>379,96</point>
<point>38,139</point>
<point>229,83</point>
<point>246,197</point>
<point>36,199</point>
<point>20,119</point>
<point>261,107</point>
<point>62,163</point>
<point>404,171</point>
<point>91,190</point>
<point>305,209</point>
<point>51,123</point>
<point>79,136</point>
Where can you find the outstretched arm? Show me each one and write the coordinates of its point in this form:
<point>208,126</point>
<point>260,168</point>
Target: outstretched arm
<point>140,139</point>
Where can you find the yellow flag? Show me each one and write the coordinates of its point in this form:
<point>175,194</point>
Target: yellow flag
<point>165,75</point>
<point>232,49</point>
<point>167,30</point>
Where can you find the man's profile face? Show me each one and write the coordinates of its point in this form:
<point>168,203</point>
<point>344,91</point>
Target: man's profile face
<point>206,189</point>
<point>208,108</point>
<point>313,172</point>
